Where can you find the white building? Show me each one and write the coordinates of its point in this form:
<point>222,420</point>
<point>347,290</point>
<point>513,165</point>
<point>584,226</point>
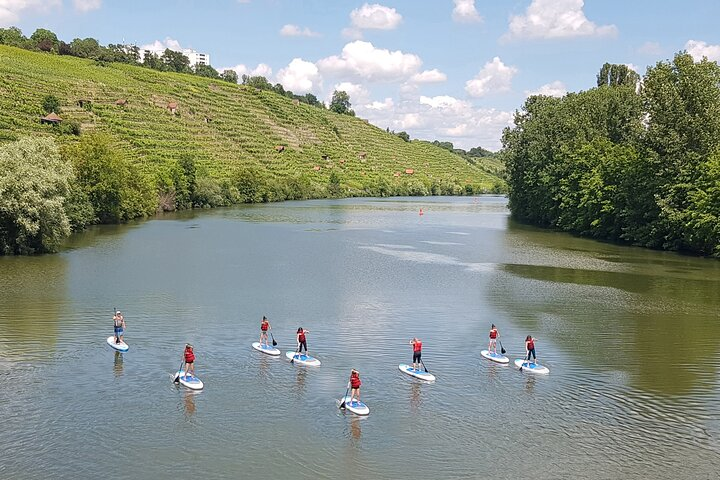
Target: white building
<point>196,58</point>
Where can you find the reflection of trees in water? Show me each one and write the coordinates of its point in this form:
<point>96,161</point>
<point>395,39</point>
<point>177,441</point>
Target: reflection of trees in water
<point>189,402</point>
<point>33,294</point>
<point>415,399</point>
<point>300,375</point>
<point>118,364</point>
<point>654,320</point>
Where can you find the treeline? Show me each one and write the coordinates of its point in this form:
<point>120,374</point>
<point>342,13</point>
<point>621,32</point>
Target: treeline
<point>43,40</point>
<point>48,192</point>
<point>633,160</point>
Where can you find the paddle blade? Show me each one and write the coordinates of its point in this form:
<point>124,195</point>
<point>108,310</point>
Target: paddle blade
<point>273,340</point>
<point>503,351</point>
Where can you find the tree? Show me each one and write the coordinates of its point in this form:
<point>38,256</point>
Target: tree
<point>175,61</point>
<point>12,36</point>
<point>230,76</point>
<point>152,61</point>
<point>311,99</point>
<point>613,75</point>
<point>206,71</point>
<point>44,40</point>
<point>34,183</point>
<point>404,135</point>
<point>340,103</point>
<point>256,82</point>
<point>85,48</point>
<point>51,104</point>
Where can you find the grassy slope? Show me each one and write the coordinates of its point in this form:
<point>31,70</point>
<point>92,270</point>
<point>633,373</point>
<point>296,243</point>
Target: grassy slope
<point>245,125</point>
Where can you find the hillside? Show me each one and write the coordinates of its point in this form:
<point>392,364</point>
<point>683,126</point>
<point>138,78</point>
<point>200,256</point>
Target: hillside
<point>223,127</point>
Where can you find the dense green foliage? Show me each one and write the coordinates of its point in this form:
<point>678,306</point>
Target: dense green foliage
<point>34,184</point>
<point>340,103</point>
<point>618,162</point>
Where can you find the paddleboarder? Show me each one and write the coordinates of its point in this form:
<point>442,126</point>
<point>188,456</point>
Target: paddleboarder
<point>189,360</point>
<point>417,352</point>
<point>354,385</point>
<point>264,329</point>
<point>494,334</point>
<point>301,340</point>
<point>530,349</point>
<point>119,326</point>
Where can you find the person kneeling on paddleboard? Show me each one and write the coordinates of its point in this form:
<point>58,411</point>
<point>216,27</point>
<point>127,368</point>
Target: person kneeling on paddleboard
<point>530,348</point>
<point>302,341</point>
<point>417,352</point>
<point>119,325</point>
<point>189,360</point>
<point>264,328</point>
<point>494,334</point>
<point>354,385</point>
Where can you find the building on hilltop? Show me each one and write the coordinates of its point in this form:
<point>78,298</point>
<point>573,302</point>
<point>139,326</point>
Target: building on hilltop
<point>196,58</point>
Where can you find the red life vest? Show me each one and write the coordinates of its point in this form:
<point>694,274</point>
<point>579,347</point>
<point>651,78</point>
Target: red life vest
<point>264,326</point>
<point>189,355</point>
<point>355,380</point>
<point>301,336</point>
<point>530,345</point>
<point>417,346</point>
<point>493,334</point>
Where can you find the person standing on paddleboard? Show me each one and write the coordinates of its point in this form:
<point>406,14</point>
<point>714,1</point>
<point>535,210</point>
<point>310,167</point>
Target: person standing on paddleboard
<point>417,352</point>
<point>302,341</point>
<point>354,385</point>
<point>264,329</point>
<point>494,334</point>
<point>189,360</point>
<point>530,348</point>
<point>119,325</point>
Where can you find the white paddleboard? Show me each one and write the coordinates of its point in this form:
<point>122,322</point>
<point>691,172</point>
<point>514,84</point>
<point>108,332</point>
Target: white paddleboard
<point>303,359</point>
<point>531,366</point>
<point>120,347</point>
<point>193,383</point>
<point>421,374</point>
<point>495,357</point>
<point>358,408</point>
<point>270,350</point>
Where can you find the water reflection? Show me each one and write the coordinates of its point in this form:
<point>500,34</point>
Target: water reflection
<point>415,399</point>
<point>300,375</point>
<point>189,401</point>
<point>118,364</point>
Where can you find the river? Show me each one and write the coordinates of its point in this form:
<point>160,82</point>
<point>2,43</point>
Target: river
<point>631,337</point>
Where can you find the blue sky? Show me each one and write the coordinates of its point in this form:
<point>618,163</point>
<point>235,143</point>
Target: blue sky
<point>451,70</point>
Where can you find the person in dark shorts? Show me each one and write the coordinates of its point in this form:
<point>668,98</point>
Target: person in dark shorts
<point>119,326</point>
<point>189,360</point>
<point>417,353</point>
<point>302,341</point>
<point>530,349</point>
<point>264,329</point>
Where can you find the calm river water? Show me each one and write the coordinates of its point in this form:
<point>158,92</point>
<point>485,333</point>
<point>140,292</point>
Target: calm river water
<point>631,337</point>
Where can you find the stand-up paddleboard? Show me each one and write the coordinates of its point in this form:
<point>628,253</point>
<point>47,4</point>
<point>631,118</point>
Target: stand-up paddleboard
<point>266,349</point>
<point>120,347</point>
<point>193,383</point>
<point>531,366</point>
<point>421,374</point>
<point>358,408</point>
<point>303,359</point>
<point>495,357</point>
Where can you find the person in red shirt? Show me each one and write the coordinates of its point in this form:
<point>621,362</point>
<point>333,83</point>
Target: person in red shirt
<point>417,352</point>
<point>189,360</point>
<point>530,348</point>
<point>354,385</point>
<point>264,328</point>
<point>302,341</point>
<point>494,334</point>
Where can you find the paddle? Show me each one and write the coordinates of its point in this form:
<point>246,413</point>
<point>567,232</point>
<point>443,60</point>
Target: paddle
<point>117,338</point>
<point>177,375</point>
<point>502,350</point>
<point>342,402</point>
<point>292,359</point>
<point>273,339</point>
<point>423,364</point>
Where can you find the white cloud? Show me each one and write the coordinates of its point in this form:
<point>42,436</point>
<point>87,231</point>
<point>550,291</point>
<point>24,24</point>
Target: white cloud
<point>650,48</point>
<point>10,10</point>
<point>429,76</point>
<point>699,49</point>
<point>358,93</point>
<point>386,104</point>
<point>495,77</point>
<point>87,5</point>
<point>633,67</point>
<point>556,19</point>
<point>362,60</point>
<point>262,70</point>
<point>554,89</point>
<point>170,43</point>
<point>300,76</point>
<point>295,31</point>
<point>465,12</point>
<point>376,17</point>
